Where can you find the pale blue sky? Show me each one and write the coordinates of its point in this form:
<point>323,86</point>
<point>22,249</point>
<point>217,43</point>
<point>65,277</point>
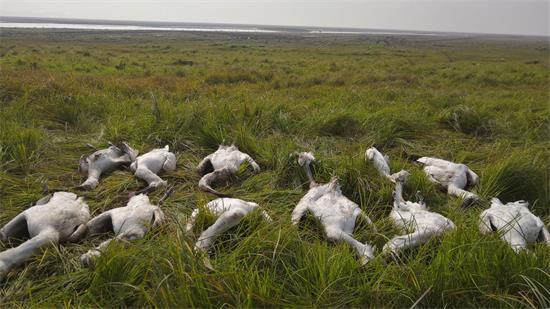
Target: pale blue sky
<point>486,16</point>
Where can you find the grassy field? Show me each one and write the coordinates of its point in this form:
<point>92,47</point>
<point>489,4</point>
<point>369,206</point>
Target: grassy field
<point>481,101</point>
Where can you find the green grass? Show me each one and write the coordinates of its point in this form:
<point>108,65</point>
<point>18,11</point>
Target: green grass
<point>483,102</point>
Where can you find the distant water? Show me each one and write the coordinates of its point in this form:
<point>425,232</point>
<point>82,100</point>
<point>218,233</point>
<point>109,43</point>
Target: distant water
<point>130,27</point>
<point>201,28</point>
<point>371,32</point>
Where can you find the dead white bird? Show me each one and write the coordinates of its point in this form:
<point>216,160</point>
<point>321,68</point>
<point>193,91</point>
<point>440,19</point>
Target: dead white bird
<point>455,178</point>
<point>149,165</point>
<point>103,161</point>
<point>335,211</point>
<point>129,223</point>
<point>381,163</point>
<point>515,223</point>
<point>221,165</point>
<point>56,218</point>
<point>229,211</point>
<point>416,220</point>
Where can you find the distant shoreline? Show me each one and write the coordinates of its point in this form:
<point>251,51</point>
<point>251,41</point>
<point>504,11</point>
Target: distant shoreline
<point>128,27</point>
<point>88,24</point>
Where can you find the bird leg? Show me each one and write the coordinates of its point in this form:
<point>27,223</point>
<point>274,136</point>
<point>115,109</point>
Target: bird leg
<point>411,240</point>
<point>364,251</point>
<point>469,197</point>
<point>544,236</point>
<point>16,256</point>
<point>158,217</point>
<point>87,258</point>
<point>129,151</point>
<point>17,227</point>
<point>226,221</point>
<point>146,174</point>
<point>93,178</point>
<point>122,160</point>
<point>151,178</point>
<point>253,163</point>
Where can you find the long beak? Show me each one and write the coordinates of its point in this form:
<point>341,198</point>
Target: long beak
<point>217,193</point>
<point>83,188</point>
<point>167,193</point>
<point>145,190</point>
<point>45,188</point>
<point>468,202</point>
<point>142,191</point>
<point>92,146</point>
<point>207,264</point>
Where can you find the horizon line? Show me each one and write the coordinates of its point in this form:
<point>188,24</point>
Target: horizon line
<point>126,21</point>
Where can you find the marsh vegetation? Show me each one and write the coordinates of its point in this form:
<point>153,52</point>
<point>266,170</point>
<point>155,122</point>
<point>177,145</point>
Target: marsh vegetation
<point>481,101</point>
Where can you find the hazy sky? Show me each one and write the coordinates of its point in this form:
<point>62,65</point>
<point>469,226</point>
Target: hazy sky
<point>487,16</point>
